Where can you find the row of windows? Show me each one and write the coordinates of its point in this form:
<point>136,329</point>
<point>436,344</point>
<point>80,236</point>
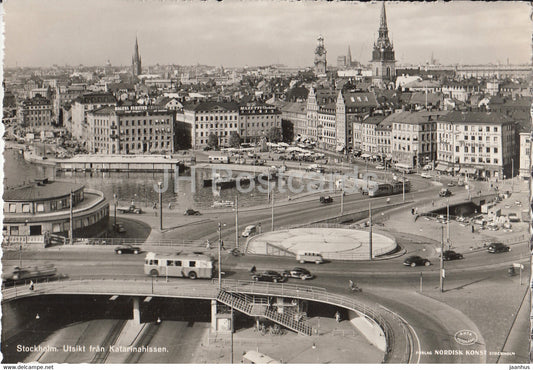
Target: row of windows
<point>216,118</point>
<point>216,126</point>
<point>473,149</point>
<point>158,121</point>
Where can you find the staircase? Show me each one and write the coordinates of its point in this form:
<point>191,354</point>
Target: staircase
<point>253,307</point>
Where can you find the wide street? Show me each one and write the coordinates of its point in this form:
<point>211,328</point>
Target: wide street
<point>474,288</point>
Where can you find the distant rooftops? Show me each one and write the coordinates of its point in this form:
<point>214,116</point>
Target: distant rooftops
<point>476,117</point>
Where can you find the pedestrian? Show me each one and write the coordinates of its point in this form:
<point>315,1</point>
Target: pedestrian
<point>473,229</point>
<point>170,205</point>
<point>337,316</point>
<point>32,285</point>
<point>208,245</point>
<point>412,211</point>
<point>416,210</point>
<point>253,269</point>
<point>432,203</point>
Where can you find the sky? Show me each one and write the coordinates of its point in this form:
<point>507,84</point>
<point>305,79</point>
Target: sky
<point>236,33</point>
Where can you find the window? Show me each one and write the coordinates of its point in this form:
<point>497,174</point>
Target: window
<point>14,230</point>
<point>495,150</point>
<point>12,208</point>
<point>495,160</point>
<point>466,137</point>
<point>192,263</point>
<point>495,129</point>
<point>26,208</point>
<point>488,150</point>
<point>177,263</point>
<point>466,149</point>
<point>170,263</point>
<point>40,207</point>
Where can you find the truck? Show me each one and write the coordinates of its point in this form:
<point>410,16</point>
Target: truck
<point>130,209</point>
<point>17,273</point>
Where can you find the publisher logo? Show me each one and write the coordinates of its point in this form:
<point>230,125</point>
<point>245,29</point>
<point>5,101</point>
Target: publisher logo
<point>465,337</point>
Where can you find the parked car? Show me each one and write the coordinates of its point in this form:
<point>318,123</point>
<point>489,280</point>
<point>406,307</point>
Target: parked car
<point>451,184</point>
<point>271,276</point>
<point>416,261</point>
<point>192,212</point>
<point>123,249</point>
<point>513,217</point>
<point>425,175</point>
<point>326,199</point>
<point>298,273</point>
<point>498,248</point>
<point>451,255</point>
<point>492,226</point>
<point>445,192</point>
<point>119,228</point>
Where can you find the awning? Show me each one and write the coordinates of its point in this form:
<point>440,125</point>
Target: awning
<point>365,155</point>
<point>441,167</point>
<point>468,170</point>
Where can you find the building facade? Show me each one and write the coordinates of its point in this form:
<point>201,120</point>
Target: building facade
<point>205,118</point>
<point>35,114</point>
<point>256,120</point>
<point>525,155</point>
<point>482,144</point>
<point>414,137</point>
<point>383,60</point>
<point>131,130</point>
<point>78,126</point>
<point>296,113</point>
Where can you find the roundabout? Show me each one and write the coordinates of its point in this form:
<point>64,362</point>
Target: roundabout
<point>332,243</point>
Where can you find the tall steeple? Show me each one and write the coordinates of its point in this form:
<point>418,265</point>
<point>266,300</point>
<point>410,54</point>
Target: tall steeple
<point>383,61</point>
<point>136,63</point>
<point>349,57</point>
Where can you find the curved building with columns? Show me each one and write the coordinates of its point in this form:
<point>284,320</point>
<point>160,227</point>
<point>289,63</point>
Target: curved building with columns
<point>35,212</point>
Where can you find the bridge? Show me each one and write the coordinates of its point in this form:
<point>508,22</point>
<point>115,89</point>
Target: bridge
<point>242,296</point>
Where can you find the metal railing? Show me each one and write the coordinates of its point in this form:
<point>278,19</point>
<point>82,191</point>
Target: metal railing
<point>207,289</point>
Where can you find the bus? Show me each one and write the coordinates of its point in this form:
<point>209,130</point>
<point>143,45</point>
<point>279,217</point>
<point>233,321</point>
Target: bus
<point>405,168</point>
<point>190,266</point>
<point>218,159</point>
<point>382,189</point>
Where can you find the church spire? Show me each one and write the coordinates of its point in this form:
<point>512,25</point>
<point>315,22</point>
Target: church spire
<point>349,56</point>
<point>136,64</point>
<point>383,19</point>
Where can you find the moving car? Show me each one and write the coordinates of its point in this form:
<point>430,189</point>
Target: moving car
<point>269,275</point>
<point>445,192</point>
<point>298,273</point>
<point>119,228</point>
<point>326,199</point>
<point>513,217</point>
<point>416,261</point>
<point>498,248</point>
<point>425,175</point>
<point>191,212</point>
<point>123,249</point>
<point>249,230</point>
<point>130,209</point>
<point>451,255</point>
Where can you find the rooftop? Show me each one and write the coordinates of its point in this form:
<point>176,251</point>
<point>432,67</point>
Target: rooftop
<point>476,117</point>
<point>33,192</point>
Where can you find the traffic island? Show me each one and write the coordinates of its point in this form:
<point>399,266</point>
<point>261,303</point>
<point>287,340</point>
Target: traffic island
<point>331,243</point>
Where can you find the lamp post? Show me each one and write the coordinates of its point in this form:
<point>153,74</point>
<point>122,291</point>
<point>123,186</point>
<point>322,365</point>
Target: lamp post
<point>115,201</point>
<point>441,274</point>
<point>71,219</point>
<point>236,222</point>
<point>272,221</point>
<point>160,187</point>
<point>370,230</point>
<point>219,255</point>
<point>342,202</point>
<point>448,221</point>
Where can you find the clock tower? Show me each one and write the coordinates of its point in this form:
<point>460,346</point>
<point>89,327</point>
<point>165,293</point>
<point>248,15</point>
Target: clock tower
<point>320,57</point>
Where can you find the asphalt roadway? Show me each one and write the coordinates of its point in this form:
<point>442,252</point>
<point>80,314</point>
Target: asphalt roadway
<point>385,281</point>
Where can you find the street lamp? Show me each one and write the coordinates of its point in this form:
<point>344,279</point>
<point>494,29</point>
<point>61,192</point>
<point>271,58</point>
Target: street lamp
<point>219,255</point>
<point>160,187</point>
<point>115,201</point>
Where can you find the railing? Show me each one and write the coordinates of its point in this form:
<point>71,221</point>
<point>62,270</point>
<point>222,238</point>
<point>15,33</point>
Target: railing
<point>152,286</point>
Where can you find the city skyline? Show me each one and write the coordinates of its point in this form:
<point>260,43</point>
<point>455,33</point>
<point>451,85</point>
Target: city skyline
<point>236,34</point>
